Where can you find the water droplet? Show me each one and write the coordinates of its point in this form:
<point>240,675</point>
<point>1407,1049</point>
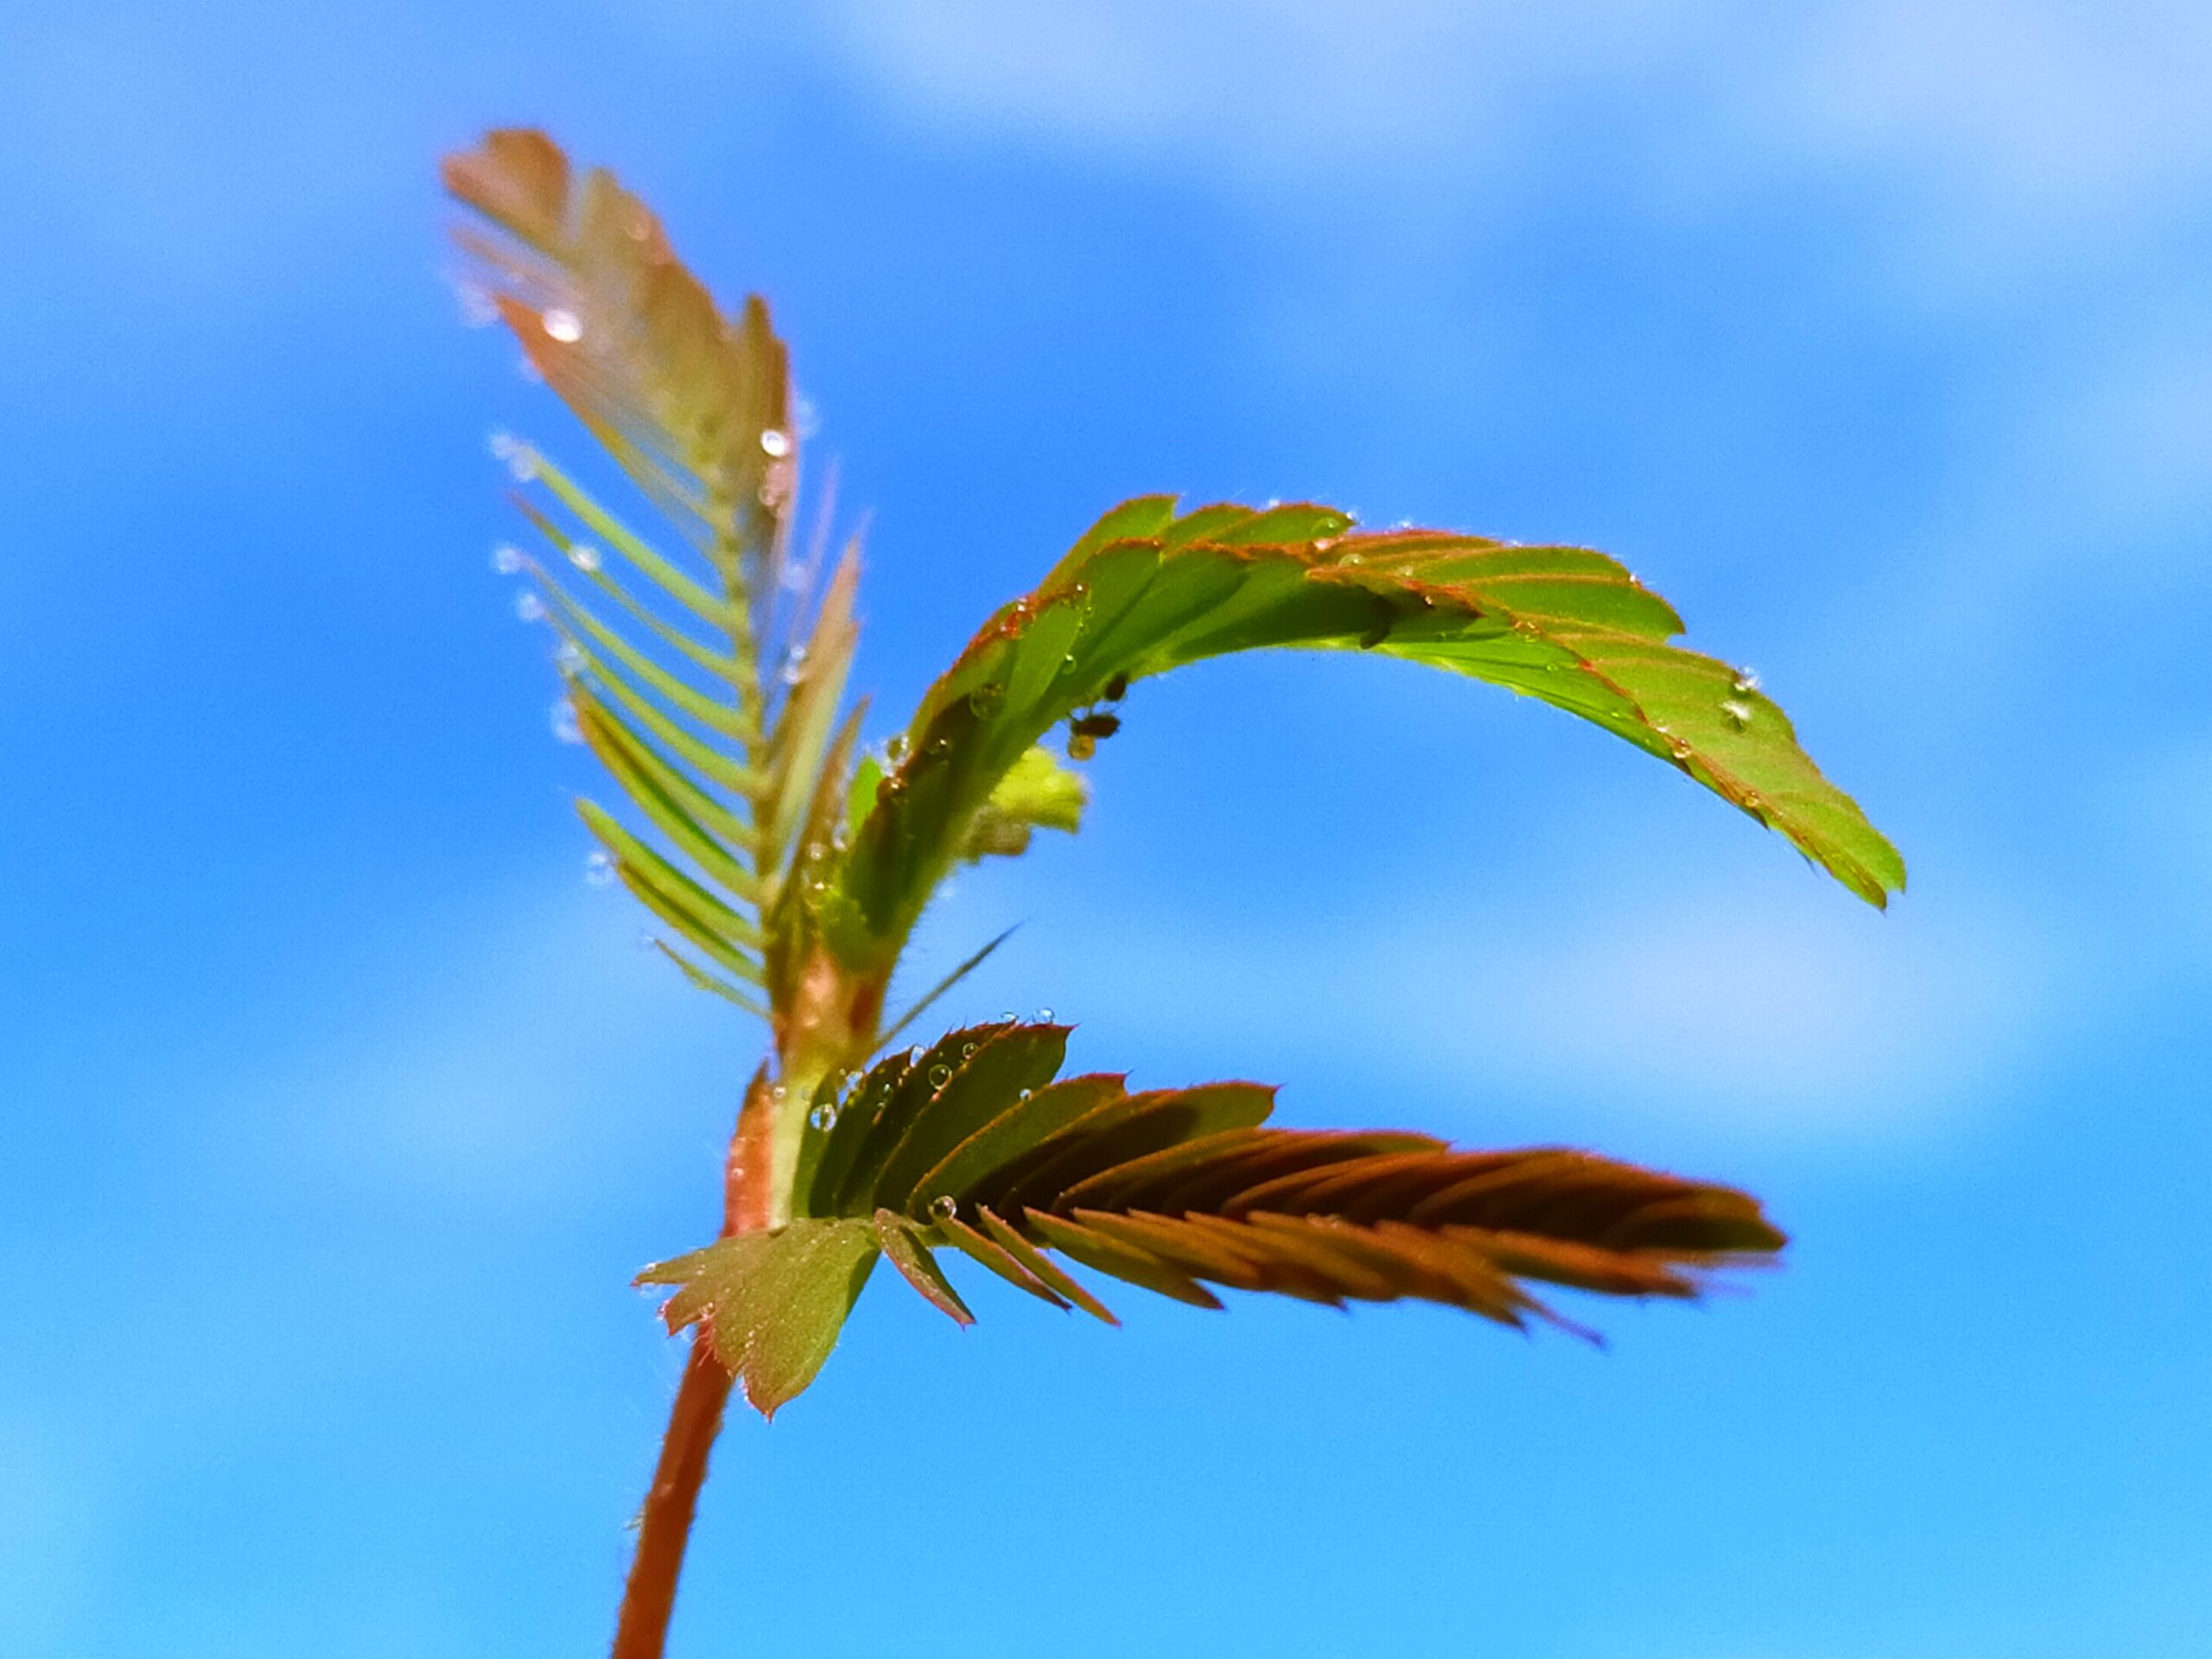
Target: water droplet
<point>823,1117</point>
<point>775,443</point>
<point>986,700</point>
<point>777,1094</point>
<point>939,1076</point>
<point>563,325</point>
<point>939,747</point>
<point>1025,1094</point>
<point>1044,1016</point>
<point>1740,714</point>
<point>565,726</point>
<point>944,1206</point>
<point>1353,559</point>
<point>529,607</point>
<point>648,943</point>
<point>794,666</point>
<point>522,463</point>
<point>1747,679</point>
<point>569,656</point>
<point>1009,1017</point>
<point>892,788</point>
<point>503,446</point>
<point>895,750</point>
<point>583,555</point>
<point>506,558</point>
<point>599,869</point>
<point>967,1050</point>
<point>915,1053</point>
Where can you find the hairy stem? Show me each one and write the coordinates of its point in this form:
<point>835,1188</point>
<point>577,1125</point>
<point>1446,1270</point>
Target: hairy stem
<point>664,1525</point>
<point>830,1011</point>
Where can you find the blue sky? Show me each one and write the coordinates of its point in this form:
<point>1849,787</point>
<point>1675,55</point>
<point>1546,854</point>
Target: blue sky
<point>338,1110</point>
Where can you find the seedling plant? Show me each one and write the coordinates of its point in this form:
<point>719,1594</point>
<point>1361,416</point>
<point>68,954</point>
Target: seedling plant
<point>704,643</point>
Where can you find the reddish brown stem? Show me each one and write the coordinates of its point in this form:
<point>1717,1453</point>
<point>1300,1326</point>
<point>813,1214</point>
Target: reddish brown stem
<point>664,1526</point>
<point>831,1010</point>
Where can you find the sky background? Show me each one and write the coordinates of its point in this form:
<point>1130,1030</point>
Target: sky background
<point>336,1109</point>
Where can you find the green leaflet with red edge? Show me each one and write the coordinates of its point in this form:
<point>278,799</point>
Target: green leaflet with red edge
<point>1148,589</point>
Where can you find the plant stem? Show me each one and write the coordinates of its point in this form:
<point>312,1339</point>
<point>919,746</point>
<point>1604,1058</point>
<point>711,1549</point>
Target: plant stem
<point>665,1522</point>
<point>754,1195</point>
<point>664,1525</point>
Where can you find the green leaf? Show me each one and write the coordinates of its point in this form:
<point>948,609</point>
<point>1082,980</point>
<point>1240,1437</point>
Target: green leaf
<point>998,1066</point>
<point>775,1302</point>
<point>716,928</point>
<point>1145,591</point>
<point>918,1267</point>
<point>1037,792</point>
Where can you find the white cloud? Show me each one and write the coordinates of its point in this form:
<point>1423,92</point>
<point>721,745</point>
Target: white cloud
<point>2096,113</point>
<point>1265,90</point>
<point>2024,106</point>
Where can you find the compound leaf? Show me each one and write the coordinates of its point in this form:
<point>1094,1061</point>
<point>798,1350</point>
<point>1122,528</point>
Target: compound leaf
<point>971,1146</point>
<point>663,638</point>
<point>1146,591</point>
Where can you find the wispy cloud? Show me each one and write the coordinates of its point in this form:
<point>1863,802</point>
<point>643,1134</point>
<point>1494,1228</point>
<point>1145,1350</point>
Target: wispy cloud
<point>1264,92</point>
<point>1763,1009</point>
<point>2024,106</point>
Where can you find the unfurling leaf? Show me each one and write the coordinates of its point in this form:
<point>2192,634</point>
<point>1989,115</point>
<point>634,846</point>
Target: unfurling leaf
<point>973,1145</point>
<point>705,670</point>
<point>1037,792</point>
<point>1148,589</point>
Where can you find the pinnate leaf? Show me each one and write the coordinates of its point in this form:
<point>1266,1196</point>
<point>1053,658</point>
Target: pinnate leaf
<point>663,635</point>
<point>1148,589</point>
<point>972,1146</point>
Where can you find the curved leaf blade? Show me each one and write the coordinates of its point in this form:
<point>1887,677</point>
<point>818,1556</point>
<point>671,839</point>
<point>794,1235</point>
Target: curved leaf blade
<point>1145,591</point>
